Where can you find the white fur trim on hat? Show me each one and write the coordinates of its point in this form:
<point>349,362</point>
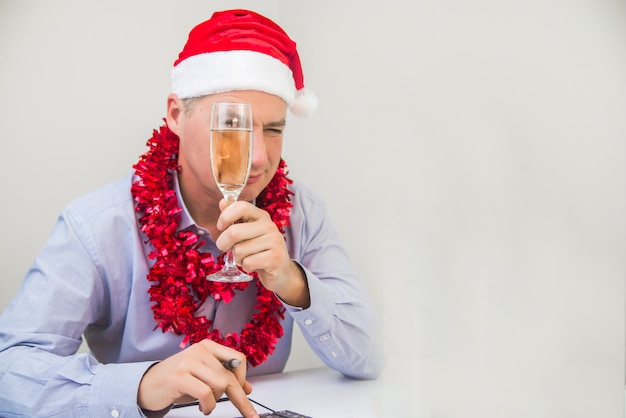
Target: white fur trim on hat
<point>218,72</point>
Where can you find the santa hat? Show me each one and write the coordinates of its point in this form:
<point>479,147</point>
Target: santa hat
<point>242,50</point>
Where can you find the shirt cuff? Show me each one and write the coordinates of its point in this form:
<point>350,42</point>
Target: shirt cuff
<point>156,414</point>
<point>115,389</point>
<point>318,316</point>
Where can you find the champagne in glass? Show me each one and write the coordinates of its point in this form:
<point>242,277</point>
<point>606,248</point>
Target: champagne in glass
<point>231,155</point>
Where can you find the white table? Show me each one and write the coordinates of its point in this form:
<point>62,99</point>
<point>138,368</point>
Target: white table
<point>319,393</point>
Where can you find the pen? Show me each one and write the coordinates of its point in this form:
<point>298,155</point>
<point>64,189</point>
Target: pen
<point>231,364</point>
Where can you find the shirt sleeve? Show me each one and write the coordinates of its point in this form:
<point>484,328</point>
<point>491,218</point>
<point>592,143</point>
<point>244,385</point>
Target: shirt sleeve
<point>41,373</point>
<point>35,382</point>
<point>341,323</point>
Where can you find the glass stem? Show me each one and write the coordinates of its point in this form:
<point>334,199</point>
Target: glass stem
<point>229,256</point>
<point>229,259</point>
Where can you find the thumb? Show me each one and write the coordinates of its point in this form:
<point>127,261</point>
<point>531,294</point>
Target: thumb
<point>223,204</point>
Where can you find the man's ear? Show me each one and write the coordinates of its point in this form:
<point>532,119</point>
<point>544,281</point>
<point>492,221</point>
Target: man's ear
<point>174,111</point>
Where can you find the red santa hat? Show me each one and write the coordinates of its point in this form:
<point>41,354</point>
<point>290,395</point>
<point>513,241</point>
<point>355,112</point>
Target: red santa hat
<point>242,50</point>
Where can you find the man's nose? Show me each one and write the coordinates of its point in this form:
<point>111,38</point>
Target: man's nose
<point>258,147</point>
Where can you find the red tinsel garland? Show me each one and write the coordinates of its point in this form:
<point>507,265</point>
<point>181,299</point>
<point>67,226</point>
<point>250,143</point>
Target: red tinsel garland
<point>179,271</point>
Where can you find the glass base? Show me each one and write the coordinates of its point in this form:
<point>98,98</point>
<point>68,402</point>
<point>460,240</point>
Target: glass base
<point>229,275</point>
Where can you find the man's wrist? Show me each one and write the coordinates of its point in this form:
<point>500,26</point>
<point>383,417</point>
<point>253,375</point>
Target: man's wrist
<point>298,293</point>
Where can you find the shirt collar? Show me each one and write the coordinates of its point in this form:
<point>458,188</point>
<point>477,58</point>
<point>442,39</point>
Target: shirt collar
<point>186,220</point>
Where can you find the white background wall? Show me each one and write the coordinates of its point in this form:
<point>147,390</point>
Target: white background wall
<point>472,155</point>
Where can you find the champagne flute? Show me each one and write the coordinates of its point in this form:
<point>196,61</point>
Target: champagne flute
<point>231,156</point>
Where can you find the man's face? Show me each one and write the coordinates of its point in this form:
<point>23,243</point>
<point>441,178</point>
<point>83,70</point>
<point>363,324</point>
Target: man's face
<point>268,115</point>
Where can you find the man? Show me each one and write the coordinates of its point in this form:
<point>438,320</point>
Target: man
<point>126,265</point>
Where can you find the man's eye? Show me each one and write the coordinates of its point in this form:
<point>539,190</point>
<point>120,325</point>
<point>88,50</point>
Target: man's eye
<point>274,131</point>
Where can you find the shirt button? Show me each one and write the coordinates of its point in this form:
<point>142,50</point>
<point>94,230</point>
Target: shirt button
<point>115,413</point>
<point>324,337</point>
<point>308,321</point>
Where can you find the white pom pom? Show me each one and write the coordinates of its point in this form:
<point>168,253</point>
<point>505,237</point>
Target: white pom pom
<point>304,104</point>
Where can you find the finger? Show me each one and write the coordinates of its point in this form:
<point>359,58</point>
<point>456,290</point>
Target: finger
<point>223,204</point>
<point>251,237</point>
<point>238,397</point>
<point>212,380</point>
<point>258,262</point>
<point>269,255</point>
<point>207,406</point>
<point>199,390</point>
<point>238,212</point>
<point>272,242</point>
<point>219,353</point>
<point>236,236</point>
<point>247,387</point>
<point>215,375</point>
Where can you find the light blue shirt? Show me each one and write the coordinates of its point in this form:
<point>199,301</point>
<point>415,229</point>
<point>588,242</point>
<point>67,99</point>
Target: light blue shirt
<point>90,279</point>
